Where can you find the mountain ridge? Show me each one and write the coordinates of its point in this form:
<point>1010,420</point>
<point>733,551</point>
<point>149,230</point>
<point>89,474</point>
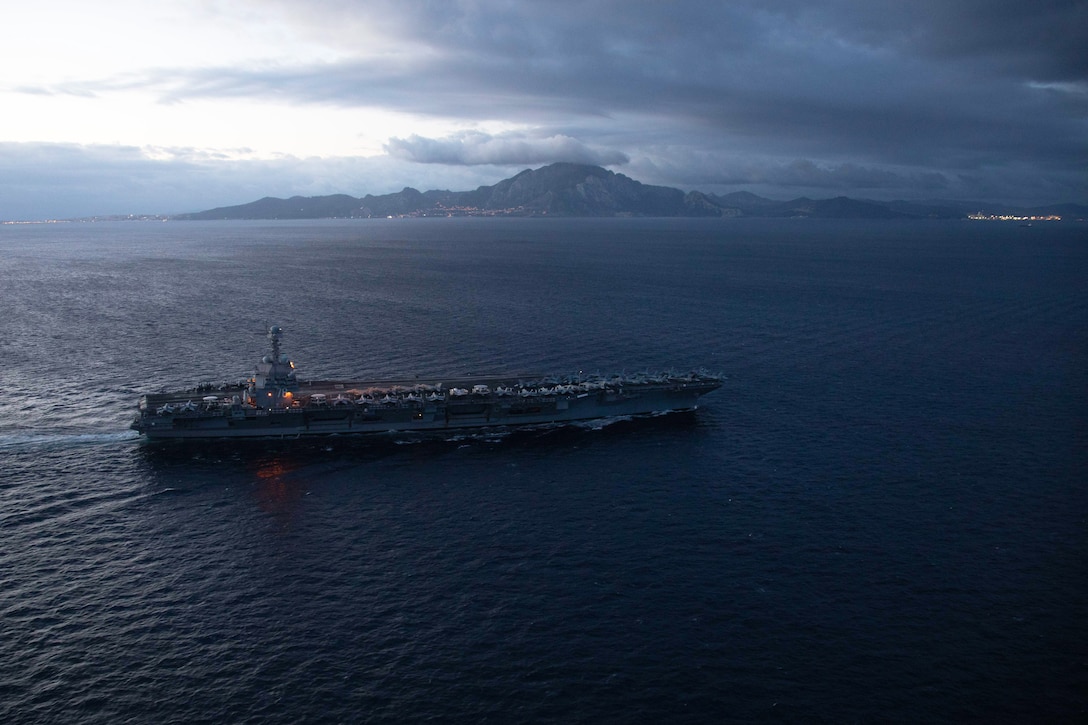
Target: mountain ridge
<point>582,190</point>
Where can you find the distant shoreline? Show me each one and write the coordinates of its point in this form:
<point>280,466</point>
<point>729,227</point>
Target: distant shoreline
<point>582,191</point>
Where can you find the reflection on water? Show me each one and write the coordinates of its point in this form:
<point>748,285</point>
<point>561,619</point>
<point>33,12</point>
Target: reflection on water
<point>276,492</point>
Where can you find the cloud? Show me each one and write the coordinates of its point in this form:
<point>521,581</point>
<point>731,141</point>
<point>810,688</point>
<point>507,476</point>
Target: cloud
<point>472,148</point>
<point>1041,40</point>
<point>793,177</point>
<point>808,174</point>
<point>958,97</point>
<point>840,82</point>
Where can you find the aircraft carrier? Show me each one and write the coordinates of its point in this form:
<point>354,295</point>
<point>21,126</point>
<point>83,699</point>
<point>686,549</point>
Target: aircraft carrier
<point>275,403</point>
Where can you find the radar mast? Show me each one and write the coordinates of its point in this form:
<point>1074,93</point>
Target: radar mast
<point>274,383</point>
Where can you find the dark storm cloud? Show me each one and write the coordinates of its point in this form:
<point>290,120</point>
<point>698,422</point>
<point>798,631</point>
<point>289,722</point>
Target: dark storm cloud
<point>894,95</point>
<point>1029,40</point>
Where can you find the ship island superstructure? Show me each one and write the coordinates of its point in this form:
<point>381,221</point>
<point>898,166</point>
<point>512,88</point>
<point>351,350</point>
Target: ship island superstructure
<point>275,403</point>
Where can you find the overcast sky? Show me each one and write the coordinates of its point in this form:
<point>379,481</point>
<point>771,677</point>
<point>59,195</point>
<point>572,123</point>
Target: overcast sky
<point>129,106</point>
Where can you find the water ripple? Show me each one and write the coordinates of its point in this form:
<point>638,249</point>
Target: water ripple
<point>885,497</point>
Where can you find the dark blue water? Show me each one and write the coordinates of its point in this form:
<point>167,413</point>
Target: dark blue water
<point>882,516</point>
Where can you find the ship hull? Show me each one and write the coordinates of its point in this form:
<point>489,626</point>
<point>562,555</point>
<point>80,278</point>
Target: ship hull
<point>466,412</point>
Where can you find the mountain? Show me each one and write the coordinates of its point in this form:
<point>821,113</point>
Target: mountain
<point>580,190</point>
<point>297,207</point>
<point>561,189</point>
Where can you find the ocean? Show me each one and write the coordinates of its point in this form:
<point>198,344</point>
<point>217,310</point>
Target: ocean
<point>882,516</point>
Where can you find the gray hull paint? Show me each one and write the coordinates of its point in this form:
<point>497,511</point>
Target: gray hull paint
<point>473,412</point>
